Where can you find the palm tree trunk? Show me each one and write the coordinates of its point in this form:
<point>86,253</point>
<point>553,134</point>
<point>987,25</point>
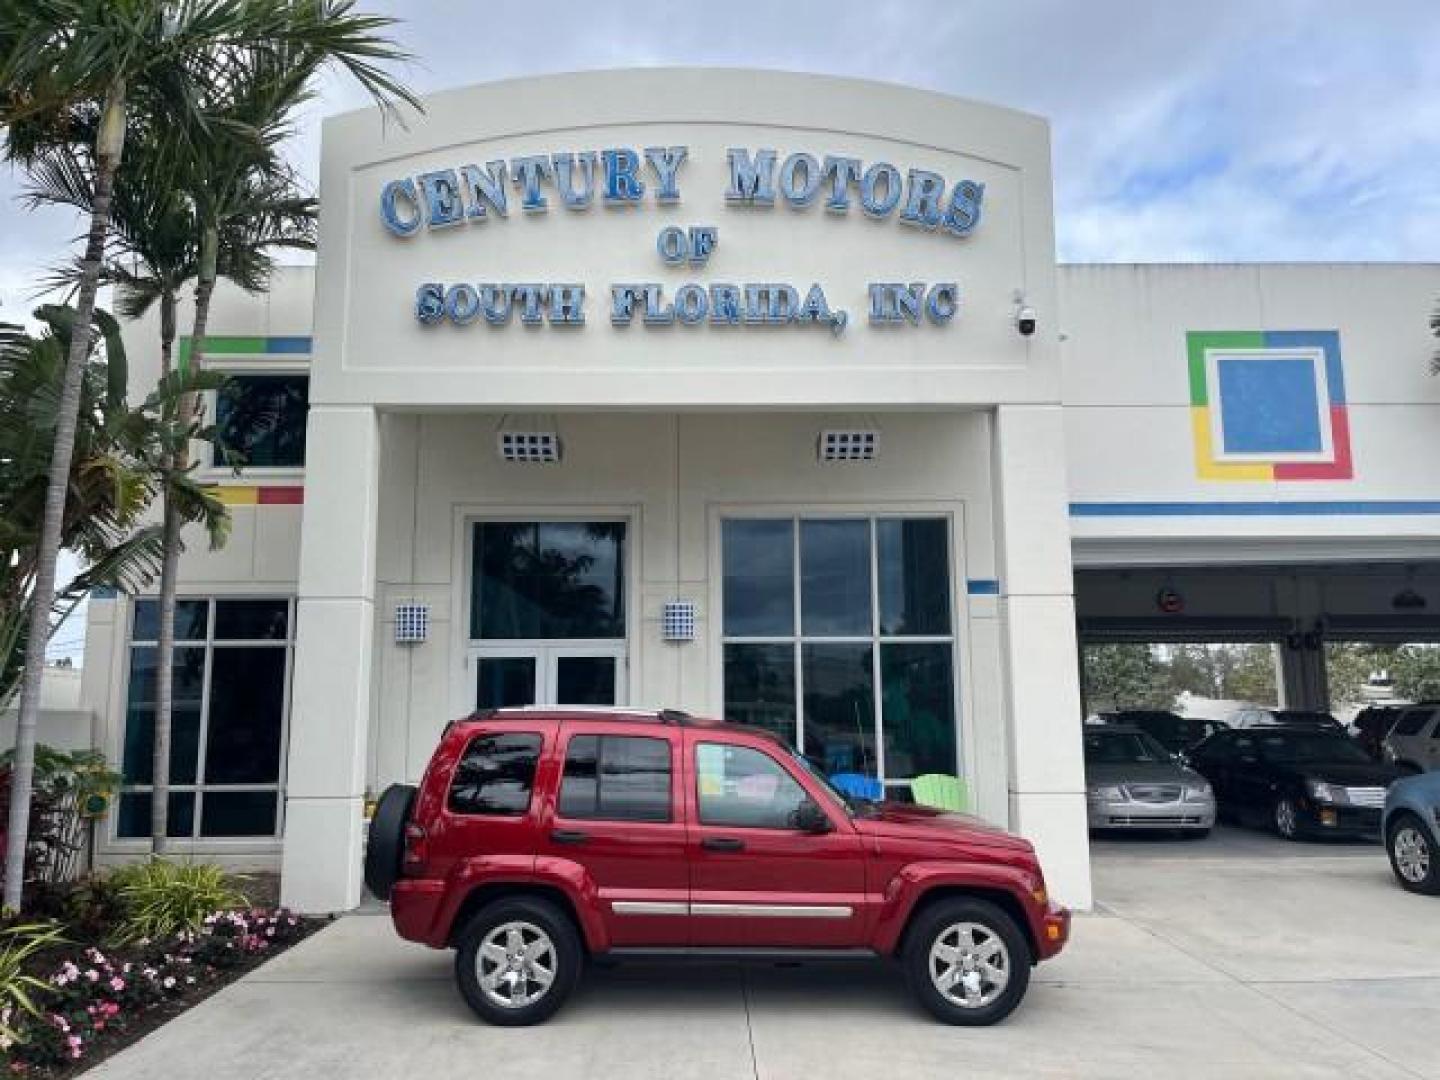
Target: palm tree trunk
<point>170,563</point>
<point>165,676</point>
<point>109,145</point>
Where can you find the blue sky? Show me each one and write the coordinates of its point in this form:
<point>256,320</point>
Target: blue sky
<point>1223,130</point>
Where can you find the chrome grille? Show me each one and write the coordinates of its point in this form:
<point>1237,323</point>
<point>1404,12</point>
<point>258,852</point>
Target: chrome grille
<point>1154,793</point>
<point>1366,796</point>
<point>1156,821</point>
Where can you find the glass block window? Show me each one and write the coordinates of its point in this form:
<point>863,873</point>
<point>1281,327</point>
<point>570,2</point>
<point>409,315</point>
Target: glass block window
<point>231,694</point>
<point>839,637</point>
<point>262,418</point>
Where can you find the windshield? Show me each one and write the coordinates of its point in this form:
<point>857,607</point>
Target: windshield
<point>1123,748</point>
<point>850,805</point>
<point>1303,748</point>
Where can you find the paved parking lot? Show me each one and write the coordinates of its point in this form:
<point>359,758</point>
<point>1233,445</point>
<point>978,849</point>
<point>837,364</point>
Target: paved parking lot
<point>1239,956</point>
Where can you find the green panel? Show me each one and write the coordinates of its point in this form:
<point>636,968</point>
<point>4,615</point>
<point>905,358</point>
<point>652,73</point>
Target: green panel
<point>222,345</point>
<point>1197,341</point>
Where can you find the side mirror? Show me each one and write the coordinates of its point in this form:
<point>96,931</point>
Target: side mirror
<point>809,818</point>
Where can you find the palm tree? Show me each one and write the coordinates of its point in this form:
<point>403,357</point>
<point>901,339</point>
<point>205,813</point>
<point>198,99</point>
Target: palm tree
<point>68,64</point>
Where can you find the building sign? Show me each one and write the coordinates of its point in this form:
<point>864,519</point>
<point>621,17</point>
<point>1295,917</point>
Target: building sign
<point>474,196</point>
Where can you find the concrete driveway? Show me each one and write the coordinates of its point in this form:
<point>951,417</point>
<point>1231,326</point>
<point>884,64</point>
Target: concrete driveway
<point>1240,956</point>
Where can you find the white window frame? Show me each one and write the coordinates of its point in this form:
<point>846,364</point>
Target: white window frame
<point>961,681</point>
<point>467,649</point>
<point>197,839</point>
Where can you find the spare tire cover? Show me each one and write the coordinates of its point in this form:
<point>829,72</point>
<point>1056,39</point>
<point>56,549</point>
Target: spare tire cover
<point>386,845</point>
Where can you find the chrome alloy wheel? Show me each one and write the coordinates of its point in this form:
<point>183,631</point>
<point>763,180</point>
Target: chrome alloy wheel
<point>516,964</point>
<point>1285,818</point>
<point>1412,854</point>
<point>969,965</point>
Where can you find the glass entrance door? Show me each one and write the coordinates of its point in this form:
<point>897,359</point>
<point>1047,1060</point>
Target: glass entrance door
<point>547,613</point>
<point>548,675</point>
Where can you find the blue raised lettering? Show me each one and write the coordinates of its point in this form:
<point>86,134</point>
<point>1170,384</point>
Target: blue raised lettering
<point>390,195</point>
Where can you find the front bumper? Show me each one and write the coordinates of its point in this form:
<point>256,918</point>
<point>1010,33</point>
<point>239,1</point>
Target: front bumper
<point>1325,819</point>
<point>1130,814</point>
<point>1054,931</point>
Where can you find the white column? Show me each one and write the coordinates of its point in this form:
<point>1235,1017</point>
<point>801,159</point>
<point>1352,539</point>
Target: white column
<point>334,645</point>
<point>1042,682</point>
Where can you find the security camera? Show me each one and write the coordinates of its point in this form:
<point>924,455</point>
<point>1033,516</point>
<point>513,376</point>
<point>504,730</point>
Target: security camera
<point>1025,320</point>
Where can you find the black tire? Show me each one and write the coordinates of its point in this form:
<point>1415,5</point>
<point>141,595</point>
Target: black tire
<point>938,921</point>
<point>1413,828</point>
<point>385,846</point>
<point>1283,810</point>
<point>566,957</point>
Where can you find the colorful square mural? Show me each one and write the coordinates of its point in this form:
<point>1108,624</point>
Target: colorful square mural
<point>1268,405</point>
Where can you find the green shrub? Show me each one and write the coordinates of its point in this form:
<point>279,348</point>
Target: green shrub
<point>17,945</point>
<point>162,898</point>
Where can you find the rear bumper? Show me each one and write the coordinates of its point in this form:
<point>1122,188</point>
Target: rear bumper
<point>1054,931</point>
<point>415,908</point>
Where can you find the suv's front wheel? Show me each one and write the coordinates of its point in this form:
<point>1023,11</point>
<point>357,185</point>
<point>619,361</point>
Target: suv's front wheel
<point>967,961</point>
<point>518,960</point>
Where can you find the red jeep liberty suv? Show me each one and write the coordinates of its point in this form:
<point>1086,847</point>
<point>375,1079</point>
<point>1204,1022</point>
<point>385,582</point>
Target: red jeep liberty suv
<point>541,836</point>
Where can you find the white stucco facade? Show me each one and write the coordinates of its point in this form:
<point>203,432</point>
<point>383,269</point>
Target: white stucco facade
<point>670,433</point>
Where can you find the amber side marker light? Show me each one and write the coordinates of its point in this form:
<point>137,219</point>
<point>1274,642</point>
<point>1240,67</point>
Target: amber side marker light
<point>1040,895</point>
<point>1052,932</point>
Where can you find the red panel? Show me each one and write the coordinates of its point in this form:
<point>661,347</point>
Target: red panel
<point>291,495</point>
<point>1340,469</point>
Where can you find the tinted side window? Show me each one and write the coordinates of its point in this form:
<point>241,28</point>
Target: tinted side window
<point>616,778</point>
<point>744,788</point>
<point>1411,722</point>
<point>495,774</point>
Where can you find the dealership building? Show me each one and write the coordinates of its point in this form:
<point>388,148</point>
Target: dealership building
<point>757,395</point>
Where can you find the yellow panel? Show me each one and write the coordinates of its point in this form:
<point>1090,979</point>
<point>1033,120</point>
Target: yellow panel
<point>1205,465</point>
<point>238,496</point>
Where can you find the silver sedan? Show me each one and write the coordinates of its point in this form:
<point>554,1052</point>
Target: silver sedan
<point>1132,782</point>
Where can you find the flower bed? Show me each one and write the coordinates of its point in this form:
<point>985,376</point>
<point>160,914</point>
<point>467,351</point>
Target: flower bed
<point>95,1000</point>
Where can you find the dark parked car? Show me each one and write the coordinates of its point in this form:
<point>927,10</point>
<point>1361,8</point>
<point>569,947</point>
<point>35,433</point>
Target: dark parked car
<point>1175,733</point>
<point>1264,718</point>
<point>1372,724</point>
<point>1298,780</point>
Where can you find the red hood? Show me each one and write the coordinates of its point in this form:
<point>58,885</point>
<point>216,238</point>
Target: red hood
<point>910,822</point>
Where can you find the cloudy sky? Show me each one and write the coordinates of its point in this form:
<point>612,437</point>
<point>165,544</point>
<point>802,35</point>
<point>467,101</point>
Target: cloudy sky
<point>1183,131</point>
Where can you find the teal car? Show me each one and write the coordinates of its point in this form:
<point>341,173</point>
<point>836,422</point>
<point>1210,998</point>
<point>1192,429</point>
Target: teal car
<point>1411,828</point>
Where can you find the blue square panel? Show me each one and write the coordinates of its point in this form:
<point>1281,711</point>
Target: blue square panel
<point>1269,405</point>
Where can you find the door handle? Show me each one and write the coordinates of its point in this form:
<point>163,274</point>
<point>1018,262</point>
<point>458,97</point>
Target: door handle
<point>722,843</point>
<point>569,836</point>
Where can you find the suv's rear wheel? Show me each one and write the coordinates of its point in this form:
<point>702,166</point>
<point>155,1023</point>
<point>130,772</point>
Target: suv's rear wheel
<point>518,960</point>
<point>385,845</point>
<point>1412,855</point>
<point>967,961</point>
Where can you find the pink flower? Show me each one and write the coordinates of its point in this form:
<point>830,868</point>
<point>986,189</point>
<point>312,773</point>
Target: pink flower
<point>117,984</point>
<point>168,982</point>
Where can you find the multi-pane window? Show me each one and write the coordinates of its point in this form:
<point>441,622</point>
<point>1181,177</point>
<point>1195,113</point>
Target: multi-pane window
<point>230,699</point>
<point>839,638</point>
<point>262,418</point>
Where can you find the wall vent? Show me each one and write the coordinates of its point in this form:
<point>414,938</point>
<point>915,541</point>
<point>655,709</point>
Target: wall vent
<point>530,447</point>
<point>859,444</point>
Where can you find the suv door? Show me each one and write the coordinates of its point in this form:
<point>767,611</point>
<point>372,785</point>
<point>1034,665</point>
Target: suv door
<point>756,878</point>
<point>618,816</point>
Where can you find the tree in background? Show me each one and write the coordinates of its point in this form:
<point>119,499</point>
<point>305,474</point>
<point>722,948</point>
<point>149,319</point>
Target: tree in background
<point>1129,676</point>
<point>1413,668</point>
